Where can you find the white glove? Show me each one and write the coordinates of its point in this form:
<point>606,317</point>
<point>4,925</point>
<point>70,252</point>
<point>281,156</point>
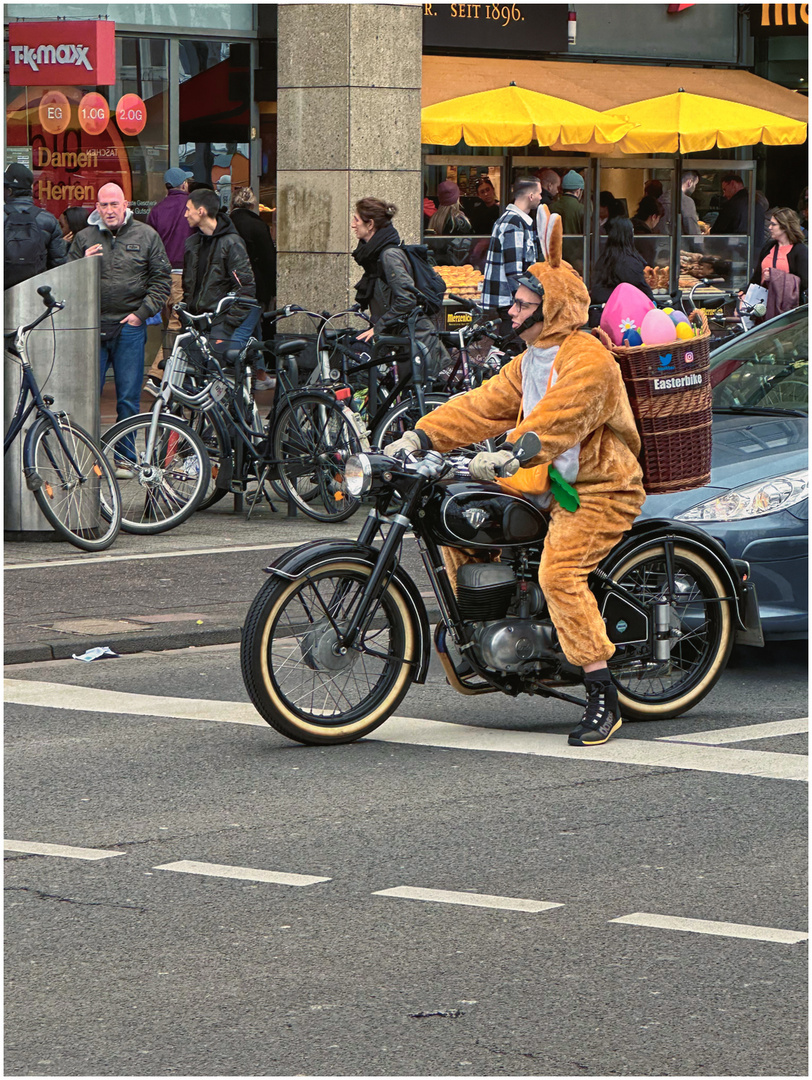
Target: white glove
<point>484,465</point>
<point>409,442</point>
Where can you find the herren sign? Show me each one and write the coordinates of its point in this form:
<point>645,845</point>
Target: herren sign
<point>62,53</point>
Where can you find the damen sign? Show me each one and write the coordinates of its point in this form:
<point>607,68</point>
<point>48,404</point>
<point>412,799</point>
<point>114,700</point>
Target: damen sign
<point>62,53</point>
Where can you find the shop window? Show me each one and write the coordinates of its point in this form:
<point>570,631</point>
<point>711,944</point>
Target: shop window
<point>215,123</point>
<point>92,145</point>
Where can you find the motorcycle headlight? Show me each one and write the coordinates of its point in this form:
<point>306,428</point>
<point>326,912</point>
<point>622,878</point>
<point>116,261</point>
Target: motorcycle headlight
<point>357,475</point>
<point>753,500</point>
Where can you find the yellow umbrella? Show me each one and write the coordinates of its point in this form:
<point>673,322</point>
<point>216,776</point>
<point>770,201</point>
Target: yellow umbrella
<point>690,122</point>
<point>513,116</point>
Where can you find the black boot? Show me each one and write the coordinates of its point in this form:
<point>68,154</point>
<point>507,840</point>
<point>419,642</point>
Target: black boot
<point>601,717</point>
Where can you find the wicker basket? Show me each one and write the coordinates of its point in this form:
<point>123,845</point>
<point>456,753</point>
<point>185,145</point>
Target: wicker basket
<point>670,395</point>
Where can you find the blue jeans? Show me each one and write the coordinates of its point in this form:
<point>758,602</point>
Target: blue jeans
<point>126,354</point>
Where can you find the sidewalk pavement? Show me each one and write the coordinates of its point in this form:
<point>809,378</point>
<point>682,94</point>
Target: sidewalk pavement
<point>191,586</point>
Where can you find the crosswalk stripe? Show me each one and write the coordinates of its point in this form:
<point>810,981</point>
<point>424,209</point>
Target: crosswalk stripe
<point>242,873</point>
<point>61,850</point>
<point>417,731</point>
<point>444,896</point>
<point>772,730</point>
<point>720,929</point>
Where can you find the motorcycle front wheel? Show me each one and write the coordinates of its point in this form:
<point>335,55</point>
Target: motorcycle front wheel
<point>701,634</point>
<point>294,670</point>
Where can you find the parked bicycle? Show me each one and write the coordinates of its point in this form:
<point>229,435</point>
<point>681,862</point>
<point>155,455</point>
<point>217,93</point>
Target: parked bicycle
<point>298,447</point>
<point>64,467</point>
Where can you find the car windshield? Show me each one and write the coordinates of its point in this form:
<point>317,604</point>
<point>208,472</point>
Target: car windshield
<point>765,369</point>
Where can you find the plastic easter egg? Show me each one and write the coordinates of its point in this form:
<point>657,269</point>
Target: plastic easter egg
<point>684,330</point>
<point>667,310</point>
<point>632,338</point>
<point>676,317</point>
<point>624,311</point>
<point>657,328</point>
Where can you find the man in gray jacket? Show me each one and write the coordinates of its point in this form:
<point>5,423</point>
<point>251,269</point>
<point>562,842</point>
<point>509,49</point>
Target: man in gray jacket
<point>135,282</point>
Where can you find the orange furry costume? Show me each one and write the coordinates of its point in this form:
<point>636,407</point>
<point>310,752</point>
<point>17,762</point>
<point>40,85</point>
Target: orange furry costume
<point>586,427</point>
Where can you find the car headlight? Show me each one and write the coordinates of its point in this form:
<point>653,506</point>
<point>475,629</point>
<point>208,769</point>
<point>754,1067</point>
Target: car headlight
<point>753,500</point>
<point>357,475</point>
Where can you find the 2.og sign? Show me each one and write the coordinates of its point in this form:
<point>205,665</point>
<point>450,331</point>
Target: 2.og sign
<point>62,53</point>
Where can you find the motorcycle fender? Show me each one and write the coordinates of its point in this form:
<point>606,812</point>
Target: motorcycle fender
<point>294,564</point>
<point>652,529</point>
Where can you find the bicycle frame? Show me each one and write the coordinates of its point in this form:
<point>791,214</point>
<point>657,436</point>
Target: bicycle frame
<point>23,409</point>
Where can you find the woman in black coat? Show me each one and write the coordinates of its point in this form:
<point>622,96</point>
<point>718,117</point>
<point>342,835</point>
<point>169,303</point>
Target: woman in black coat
<point>257,238</point>
<point>785,250</point>
<point>620,261</point>
<point>387,288</point>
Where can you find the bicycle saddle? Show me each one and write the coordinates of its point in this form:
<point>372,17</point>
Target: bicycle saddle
<point>290,348</point>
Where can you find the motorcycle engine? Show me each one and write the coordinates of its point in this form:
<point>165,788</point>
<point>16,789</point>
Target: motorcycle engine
<point>509,644</point>
<point>485,594</point>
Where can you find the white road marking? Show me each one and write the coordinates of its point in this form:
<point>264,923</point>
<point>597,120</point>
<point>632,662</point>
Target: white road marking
<point>87,699</point>
<point>60,850</point>
<point>622,751</point>
<point>443,896</point>
<point>420,732</point>
<point>742,734</point>
<point>721,929</point>
<point>139,557</point>
<point>243,873</point>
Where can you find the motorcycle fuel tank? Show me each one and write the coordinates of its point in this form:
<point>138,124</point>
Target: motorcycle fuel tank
<point>480,515</point>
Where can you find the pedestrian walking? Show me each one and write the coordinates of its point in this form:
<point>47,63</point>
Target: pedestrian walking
<point>513,247</point>
<point>32,238</point>
<point>258,243</point>
<point>784,254</point>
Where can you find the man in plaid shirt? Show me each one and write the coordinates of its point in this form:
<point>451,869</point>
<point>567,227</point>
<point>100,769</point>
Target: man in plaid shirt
<point>513,247</point>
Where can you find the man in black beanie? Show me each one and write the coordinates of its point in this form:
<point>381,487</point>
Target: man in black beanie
<point>32,238</point>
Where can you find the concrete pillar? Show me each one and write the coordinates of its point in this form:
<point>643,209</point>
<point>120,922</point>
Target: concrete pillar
<point>349,81</point>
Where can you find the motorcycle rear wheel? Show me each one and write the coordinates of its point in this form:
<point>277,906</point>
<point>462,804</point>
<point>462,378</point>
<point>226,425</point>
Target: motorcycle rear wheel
<point>292,667</point>
<point>648,690</point>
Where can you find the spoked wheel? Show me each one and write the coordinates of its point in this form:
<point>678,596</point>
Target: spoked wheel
<point>161,490</point>
<point>293,666</point>
<point>403,417</point>
<point>701,634</point>
<point>312,439</point>
<point>217,441</point>
<point>77,490</point>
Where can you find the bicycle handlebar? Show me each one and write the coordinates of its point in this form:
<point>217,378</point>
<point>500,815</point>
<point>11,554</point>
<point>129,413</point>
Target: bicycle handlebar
<point>469,305</point>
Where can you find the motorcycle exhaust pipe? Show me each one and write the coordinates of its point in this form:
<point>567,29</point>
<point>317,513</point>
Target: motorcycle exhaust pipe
<point>662,630</point>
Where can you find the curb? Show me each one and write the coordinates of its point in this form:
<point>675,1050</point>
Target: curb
<point>61,648</point>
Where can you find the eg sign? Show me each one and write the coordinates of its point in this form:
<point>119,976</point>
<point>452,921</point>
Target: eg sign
<point>54,112</point>
<point>657,329</point>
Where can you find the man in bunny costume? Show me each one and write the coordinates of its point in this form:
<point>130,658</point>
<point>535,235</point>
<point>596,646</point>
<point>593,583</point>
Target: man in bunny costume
<point>567,388</point>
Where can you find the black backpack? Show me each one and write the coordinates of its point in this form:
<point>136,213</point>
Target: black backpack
<point>430,286</point>
<point>25,245</point>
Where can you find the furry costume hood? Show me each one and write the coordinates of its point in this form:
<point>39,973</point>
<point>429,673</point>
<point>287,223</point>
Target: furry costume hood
<point>566,298</point>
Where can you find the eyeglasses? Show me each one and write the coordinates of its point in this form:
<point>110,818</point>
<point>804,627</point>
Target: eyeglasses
<point>523,305</point>
<point>773,224</point>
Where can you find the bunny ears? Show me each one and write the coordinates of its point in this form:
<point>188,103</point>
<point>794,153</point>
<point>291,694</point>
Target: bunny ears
<point>551,235</point>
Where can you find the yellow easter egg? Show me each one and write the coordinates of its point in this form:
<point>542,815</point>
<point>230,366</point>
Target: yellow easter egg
<point>684,330</point>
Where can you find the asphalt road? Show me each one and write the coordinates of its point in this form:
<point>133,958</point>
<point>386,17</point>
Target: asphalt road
<point>119,966</point>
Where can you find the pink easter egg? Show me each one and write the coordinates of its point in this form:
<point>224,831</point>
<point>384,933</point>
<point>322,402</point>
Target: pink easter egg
<point>624,311</point>
<point>657,328</point>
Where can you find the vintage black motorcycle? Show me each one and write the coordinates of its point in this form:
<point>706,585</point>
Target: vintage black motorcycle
<point>339,632</point>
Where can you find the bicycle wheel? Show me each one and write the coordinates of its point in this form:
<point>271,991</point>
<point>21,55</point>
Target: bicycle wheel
<point>403,417</point>
<point>76,490</point>
<point>312,439</point>
<point>163,489</point>
<point>212,431</point>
